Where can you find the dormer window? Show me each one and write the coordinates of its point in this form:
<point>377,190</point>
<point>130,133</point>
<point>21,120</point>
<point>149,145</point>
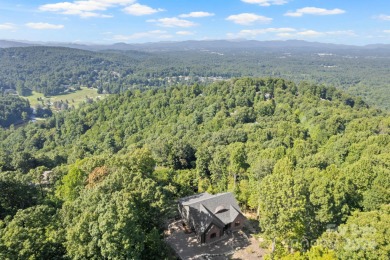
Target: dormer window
<point>220,209</point>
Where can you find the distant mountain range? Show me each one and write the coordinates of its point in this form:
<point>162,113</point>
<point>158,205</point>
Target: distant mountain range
<point>199,45</point>
<point>12,44</point>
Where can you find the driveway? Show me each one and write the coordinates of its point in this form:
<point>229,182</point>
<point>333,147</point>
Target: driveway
<point>186,245</point>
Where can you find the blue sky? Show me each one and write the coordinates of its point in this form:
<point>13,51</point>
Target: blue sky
<point>355,22</point>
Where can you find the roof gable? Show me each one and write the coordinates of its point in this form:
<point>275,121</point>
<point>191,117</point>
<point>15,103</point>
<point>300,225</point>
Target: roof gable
<point>220,209</point>
<point>195,198</point>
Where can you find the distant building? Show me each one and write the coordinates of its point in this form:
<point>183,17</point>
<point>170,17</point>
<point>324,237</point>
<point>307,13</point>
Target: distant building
<point>46,177</point>
<point>211,216</point>
<point>10,91</point>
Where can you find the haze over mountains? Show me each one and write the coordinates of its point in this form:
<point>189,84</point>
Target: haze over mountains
<point>198,45</point>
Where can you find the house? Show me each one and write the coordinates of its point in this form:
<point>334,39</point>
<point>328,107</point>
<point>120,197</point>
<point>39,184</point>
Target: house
<point>211,216</point>
<point>46,177</point>
<point>11,92</point>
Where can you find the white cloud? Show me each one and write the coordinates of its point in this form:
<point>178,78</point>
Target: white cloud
<point>266,2</point>
<point>285,35</point>
<point>310,33</point>
<point>291,33</point>
<point>196,14</point>
<point>256,32</point>
<point>384,17</point>
<point>314,11</point>
<point>343,33</point>
<point>45,26</point>
<point>159,34</point>
<point>185,33</point>
<point>92,14</point>
<point>313,33</point>
<point>386,31</point>
<point>138,10</point>
<point>248,19</point>
<point>173,22</point>
<point>84,9</point>
<point>7,26</point>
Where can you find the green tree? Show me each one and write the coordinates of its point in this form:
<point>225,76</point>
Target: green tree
<point>379,193</point>
<point>237,161</point>
<point>282,203</point>
<point>365,235</point>
<point>33,233</point>
<point>16,192</point>
<point>332,197</point>
<point>117,219</point>
<point>71,184</point>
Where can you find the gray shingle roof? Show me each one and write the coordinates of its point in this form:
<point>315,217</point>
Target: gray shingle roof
<point>204,208</point>
<point>195,198</point>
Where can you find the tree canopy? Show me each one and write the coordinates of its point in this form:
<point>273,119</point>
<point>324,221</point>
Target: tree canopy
<point>304,157</point>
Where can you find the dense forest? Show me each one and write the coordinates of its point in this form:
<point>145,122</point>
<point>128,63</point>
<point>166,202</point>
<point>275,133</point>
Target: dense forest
<point>100,181</point>
<point>13,110</point>
<point>56,70</point>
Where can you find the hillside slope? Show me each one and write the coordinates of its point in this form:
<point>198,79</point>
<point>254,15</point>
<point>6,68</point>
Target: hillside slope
<point>301,156</point>
<point>55,70</point>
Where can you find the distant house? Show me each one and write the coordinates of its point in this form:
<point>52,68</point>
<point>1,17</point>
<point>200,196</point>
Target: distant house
<point>10,92</point>
<point>211,216</point>
<point>46,177</point>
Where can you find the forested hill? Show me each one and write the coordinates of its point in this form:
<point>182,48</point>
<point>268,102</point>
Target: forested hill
<point>302,156</point>
<point>55,70</point>
<point>13,110</point>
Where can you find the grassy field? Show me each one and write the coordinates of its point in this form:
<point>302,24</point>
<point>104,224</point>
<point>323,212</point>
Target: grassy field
<point>74,98</point>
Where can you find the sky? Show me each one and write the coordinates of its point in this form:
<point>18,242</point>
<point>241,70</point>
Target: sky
<point>356,22</point>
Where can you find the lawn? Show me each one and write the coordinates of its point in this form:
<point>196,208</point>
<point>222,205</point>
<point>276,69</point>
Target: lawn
<point>73,98</point>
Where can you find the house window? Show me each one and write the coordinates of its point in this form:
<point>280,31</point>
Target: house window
<point>237,223</point>
<point>213,235</point>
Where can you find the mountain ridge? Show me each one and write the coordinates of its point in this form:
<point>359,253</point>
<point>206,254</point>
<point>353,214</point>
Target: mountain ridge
<point>194,45</point>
